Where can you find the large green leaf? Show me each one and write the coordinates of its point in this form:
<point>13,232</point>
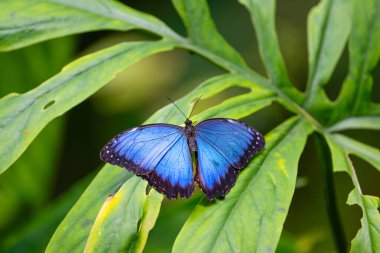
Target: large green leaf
<point>251,216</point>
<point>25,22</point>
<point>239,106</point>
<point>256,99</point>
<point>326,40</point>
<point>364,48</point>
<point>262,14</point>
<point>23,116</point>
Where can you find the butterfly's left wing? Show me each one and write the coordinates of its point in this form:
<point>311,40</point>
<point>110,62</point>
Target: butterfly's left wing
<point>224,147</point>
<point>158,153</point>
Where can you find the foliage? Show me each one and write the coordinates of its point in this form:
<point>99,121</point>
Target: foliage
<point>253,213</point>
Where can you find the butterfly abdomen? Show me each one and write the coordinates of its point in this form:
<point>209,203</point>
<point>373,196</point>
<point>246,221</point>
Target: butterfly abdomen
<point>190,135</point>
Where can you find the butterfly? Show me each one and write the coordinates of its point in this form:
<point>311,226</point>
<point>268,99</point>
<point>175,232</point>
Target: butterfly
<point>161,154</point>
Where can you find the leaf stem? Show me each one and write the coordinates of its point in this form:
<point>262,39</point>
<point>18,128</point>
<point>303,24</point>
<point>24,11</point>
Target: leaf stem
<point>332,208</point>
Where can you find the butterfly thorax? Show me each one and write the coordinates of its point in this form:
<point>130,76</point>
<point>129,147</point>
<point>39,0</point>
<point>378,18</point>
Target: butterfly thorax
<point>190,134</point>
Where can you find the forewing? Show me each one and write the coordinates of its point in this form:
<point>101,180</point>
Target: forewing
<point>159,153</point>
<point>224,147</point>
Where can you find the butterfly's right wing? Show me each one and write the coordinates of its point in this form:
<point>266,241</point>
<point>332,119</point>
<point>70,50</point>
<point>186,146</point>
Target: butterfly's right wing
<point>158,153</point>
<point>224,148</point>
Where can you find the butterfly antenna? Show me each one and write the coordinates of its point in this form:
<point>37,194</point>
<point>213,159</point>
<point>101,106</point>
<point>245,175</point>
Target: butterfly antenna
<point>195,104</point>
<point>177,107</point>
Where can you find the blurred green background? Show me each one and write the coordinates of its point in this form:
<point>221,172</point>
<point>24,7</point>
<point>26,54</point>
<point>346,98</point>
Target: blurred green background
<point>39,189</point>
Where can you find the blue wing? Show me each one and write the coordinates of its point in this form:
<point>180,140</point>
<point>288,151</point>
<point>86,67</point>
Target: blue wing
<point>224,147</point>
<point>158,153</point>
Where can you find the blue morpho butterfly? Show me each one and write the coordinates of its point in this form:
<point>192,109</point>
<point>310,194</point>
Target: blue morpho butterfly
<point>161,154</point>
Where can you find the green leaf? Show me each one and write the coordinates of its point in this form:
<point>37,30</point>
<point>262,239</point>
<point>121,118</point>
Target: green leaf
<point>364,122</point>
<point>210,88</point>
<point>367,239</point>
<point>202,31</point>
<point>328,28</point>
<point>25,22</point>
<point>366,152</point>
<point>364,48</point>
<point>72,233</point>
<point>23,116</point>
<point>118,221</point>
<point>251,216</point>
<point>238,107</point>
<point>262,14</point>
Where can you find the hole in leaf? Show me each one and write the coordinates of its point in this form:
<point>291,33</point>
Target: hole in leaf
<point>50,103</point>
